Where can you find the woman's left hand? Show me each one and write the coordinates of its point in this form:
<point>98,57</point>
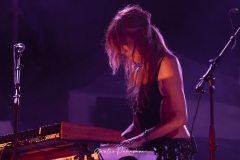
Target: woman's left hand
<point>133,142</point>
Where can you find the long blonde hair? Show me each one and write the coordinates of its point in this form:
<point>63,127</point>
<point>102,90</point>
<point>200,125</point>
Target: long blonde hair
<point>132,26</point>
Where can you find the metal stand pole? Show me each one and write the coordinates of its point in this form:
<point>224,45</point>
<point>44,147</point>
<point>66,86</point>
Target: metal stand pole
<point>17,96</point>
<point>212,144</point>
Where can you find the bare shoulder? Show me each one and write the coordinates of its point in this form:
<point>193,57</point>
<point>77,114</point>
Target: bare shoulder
<point>170,59</point>
<point>170,67</point>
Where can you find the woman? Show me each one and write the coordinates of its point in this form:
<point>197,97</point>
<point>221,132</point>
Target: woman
<point>154,84</point>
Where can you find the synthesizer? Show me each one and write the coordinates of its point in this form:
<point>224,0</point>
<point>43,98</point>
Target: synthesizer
<point>57,140</point>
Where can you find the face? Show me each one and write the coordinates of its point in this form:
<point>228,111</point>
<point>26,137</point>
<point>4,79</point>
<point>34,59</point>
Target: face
<point>128,51</point>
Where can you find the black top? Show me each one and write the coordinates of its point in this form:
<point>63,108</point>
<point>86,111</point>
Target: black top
<point>150,113</point>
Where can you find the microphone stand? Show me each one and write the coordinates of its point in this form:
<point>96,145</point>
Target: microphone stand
<point>209,77</point>
<point>16,97</point>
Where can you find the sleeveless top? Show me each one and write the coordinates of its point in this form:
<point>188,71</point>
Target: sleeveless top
<point>150,113</point>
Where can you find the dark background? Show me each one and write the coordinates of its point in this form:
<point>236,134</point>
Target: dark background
<point>64,52</point>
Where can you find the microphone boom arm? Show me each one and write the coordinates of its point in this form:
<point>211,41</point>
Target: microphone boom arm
<point>213,63</point>
<point>209,77</point>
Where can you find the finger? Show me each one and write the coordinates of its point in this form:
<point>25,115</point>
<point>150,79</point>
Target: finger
<point>132,145</point>
<point>128,143</point>
<point>124,143</point>
<point>119,145</point>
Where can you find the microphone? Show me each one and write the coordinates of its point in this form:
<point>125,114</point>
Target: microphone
<point>20,46</point>
<point>234,10</point>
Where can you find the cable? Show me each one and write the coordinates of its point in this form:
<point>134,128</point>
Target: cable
<point>195,115</point>
<point>3,150</point>
<point>191,145</point>
<point>100,156</point>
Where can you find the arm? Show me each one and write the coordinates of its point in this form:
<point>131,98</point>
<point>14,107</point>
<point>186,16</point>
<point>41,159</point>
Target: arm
<point>132,130</point>
<point>170,77</point>
<point>173,106</point>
